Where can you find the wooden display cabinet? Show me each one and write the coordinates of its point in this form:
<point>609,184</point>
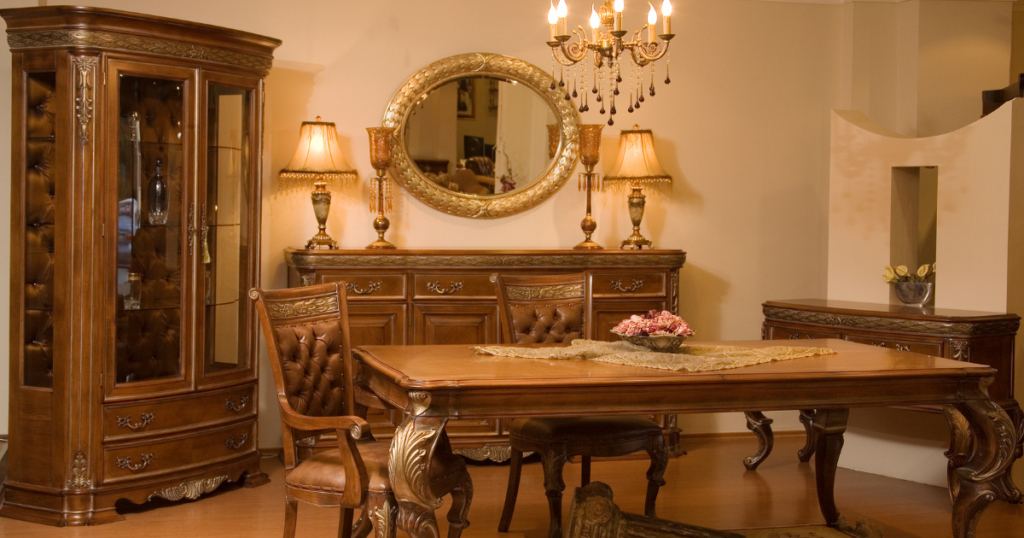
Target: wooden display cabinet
<point>417,297</point>
<point>134,240</point>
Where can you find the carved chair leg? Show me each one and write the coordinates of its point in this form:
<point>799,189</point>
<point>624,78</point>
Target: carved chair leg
<point>462,497</point>
<point>585,471</point>
<point>829,424</point>
<point>291,512</point>
<point>762,427</point>
<point>514,471</point>
<point>807,419</point>
<point>554,462</point>
<point>658,451</point>
<point>345,525</point>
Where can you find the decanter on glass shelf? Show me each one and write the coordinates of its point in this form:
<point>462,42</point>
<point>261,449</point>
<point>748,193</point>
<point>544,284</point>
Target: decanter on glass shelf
<point>157,202</point>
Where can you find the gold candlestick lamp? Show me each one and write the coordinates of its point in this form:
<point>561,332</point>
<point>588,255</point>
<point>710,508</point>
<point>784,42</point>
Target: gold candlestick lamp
<point>590,152</point>
<point>381,139</point>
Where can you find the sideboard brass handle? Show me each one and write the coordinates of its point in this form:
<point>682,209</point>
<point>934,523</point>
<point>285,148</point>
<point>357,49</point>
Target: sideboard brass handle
<point>126,463</point>
<point>126,421</point>
<point>371,287</point>
<point>452,288</point>
<point>902,348</point>
<point>230,405</point>
<point>235,445</point>
<point>616,285</point>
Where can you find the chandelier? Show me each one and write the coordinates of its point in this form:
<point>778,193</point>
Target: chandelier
<point>605,47</point>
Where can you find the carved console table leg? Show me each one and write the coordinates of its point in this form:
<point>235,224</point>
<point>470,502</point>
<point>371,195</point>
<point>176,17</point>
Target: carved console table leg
<point>829,427</point>
<point>762,427</point>
<point>807,419</point>
<point>984,477</point>
<point>411,452</point>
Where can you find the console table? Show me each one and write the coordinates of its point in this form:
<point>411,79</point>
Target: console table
<point>418,297</point>
<point>979,337</point>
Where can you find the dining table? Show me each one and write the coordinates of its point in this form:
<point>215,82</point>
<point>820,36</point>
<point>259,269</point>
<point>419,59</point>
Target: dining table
<point>432,384</point>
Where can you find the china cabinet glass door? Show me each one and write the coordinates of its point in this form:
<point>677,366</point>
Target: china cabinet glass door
<point>153,185</point>
<point>227,261</point>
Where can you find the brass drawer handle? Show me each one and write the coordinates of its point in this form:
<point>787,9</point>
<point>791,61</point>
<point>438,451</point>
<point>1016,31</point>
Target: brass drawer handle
<point>902,348</point>
<point>126,463</point>
<point>230,405</point>
<point>616,285</point>
<point>235,445</point>
<point>370,287</point>
<point>452,288</point>
<point>126,421</point>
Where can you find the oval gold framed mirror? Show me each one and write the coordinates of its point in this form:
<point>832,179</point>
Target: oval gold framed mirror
<point>482,135</point>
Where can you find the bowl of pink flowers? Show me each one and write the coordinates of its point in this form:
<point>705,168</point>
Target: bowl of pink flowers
<point>657,331</point>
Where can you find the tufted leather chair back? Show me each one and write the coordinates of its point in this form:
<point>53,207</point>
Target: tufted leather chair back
<point>547,309</point>
<point>307,336</point>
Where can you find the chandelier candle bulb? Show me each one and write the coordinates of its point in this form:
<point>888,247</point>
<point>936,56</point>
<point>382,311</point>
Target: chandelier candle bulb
<point>563,13</point>
<point>595,23</point>
<point>666,12</point>
<point>652,22</point>
<point>553,21</point>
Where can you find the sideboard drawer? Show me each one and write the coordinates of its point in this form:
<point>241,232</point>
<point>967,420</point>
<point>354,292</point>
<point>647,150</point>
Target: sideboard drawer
<point>181,413</point>
<point>902,344</point>
<point>363,286</point>
<point>128,462</point>
<point>453,286</point>
<point>629,284</point>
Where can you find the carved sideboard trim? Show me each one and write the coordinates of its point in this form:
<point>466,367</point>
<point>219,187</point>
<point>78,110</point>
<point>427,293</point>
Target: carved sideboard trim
<point>190,488</point>
<point>890,324</point>
<point>484,260</point>
<point>135,43</point>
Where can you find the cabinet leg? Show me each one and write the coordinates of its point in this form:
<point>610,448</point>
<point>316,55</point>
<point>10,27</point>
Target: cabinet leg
<point>830,425</point>
<point>807,419</point>
<point>762,427</point>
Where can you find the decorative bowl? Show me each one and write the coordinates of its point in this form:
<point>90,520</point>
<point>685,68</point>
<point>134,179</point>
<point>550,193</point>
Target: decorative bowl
<point>662,343</point>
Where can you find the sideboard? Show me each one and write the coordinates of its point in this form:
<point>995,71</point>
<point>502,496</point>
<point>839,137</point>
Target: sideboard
<point>417,297</point>
<point>979,337</point>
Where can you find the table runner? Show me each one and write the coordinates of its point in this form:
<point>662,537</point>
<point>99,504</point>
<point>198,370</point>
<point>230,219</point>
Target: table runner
<point>691,357</point>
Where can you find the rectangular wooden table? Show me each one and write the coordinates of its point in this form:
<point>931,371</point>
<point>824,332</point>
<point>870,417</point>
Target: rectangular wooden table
<point>433,384</point>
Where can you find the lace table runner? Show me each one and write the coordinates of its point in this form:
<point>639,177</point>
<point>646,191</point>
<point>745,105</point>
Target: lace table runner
<point>691,358</point>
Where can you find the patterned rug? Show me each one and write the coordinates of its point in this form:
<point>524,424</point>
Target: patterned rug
<point>794,532</point>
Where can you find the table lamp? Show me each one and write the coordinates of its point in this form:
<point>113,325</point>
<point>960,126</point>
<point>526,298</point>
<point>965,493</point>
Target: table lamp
<point>637,166</point>
<point>318,160</point>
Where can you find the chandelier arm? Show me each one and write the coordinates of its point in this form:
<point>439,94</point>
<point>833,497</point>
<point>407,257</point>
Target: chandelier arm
<point>644,54</point>
<point>572,51</point>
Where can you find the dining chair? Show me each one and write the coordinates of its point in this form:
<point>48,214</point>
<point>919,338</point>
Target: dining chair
<point>555,309</point>
<point>307,334</point>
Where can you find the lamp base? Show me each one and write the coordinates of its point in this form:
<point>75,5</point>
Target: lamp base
<point>588,245</point>
<point>321,240</point>
<point>381,224</point>
<point>636,242</point>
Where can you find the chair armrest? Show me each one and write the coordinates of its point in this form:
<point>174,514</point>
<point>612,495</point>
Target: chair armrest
<point>349,429</point>
<point>356,426</point>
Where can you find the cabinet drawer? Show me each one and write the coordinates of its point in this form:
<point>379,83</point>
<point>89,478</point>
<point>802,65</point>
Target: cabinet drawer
<point>178,453</point>
<point>364,286</point>
<point>903,344</point>
<point>168,415</point>
<point>783,332</point>
<point>453,286</point>
<point>626,284</point>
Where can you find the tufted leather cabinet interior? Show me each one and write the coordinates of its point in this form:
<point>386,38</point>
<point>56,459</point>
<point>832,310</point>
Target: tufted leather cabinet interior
<point>417,297</point>
<point>135,236</point>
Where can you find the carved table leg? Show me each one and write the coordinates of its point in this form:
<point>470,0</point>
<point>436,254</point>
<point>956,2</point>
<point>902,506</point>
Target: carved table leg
<point>984,477</point>
<point>961,444</point>
<point>411,452</point>
<point>829,426</point>
<point>807,419</point>
<point>762,427</point>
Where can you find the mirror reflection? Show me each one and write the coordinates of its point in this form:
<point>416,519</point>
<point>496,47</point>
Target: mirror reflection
<point>481,135</point>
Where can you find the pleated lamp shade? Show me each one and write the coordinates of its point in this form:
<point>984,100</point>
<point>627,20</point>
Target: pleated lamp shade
<point>317,158</point>
<point>637,164</point>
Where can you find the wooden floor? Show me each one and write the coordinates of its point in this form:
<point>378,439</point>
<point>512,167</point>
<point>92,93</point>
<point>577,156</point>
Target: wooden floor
<point>708,487</point>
